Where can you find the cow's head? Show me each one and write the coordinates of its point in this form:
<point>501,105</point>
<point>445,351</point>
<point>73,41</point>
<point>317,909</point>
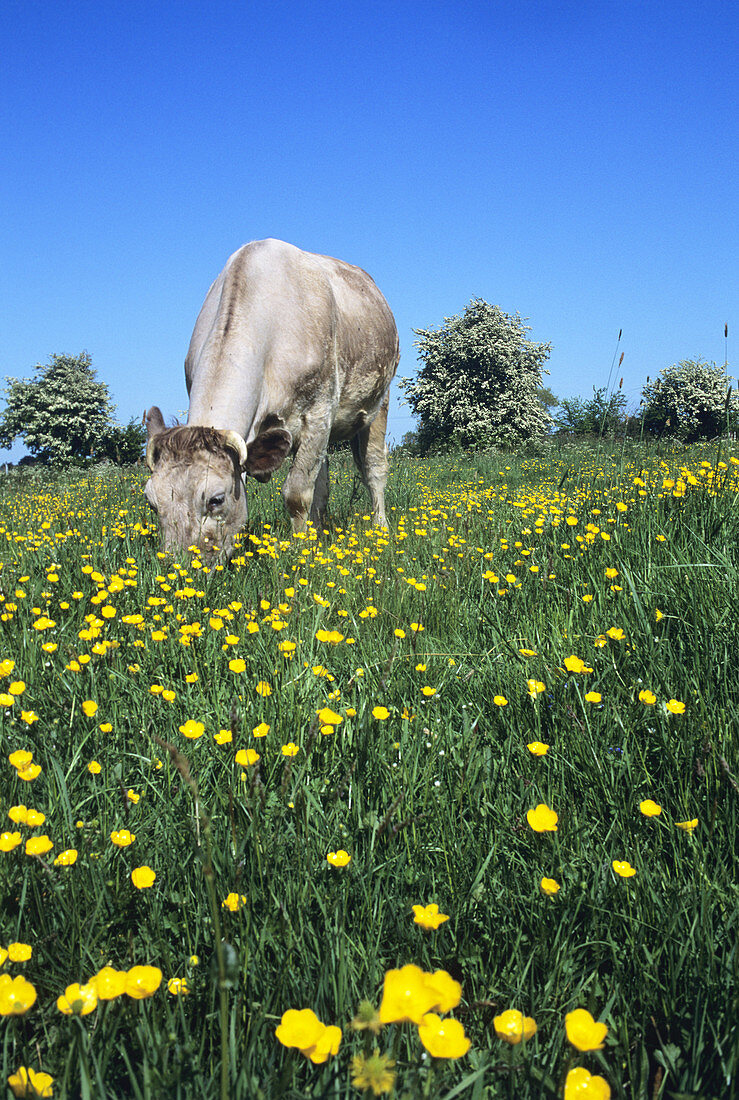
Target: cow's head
<point>196,485</point>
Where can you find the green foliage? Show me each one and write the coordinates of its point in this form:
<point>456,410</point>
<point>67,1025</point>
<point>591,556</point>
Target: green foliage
<point>689,401</point>
<point>64,415</point>
<point>547,398</point>
<point>125,444</point>
<point>480,382</point>
<point>600,415</point>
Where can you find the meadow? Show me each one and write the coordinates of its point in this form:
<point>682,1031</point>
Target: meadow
<point>224,790</point>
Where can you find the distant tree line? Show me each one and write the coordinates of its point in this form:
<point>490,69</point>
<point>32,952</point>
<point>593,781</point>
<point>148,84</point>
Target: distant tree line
<point>480,385</point>
<point>64,416</point>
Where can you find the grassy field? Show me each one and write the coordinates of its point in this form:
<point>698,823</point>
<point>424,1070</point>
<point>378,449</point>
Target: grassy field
<point>390,695</point>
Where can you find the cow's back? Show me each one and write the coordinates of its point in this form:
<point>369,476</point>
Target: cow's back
<point>280,324</point>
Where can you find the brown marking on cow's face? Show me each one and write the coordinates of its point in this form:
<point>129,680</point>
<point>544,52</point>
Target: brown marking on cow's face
<point>196,490</point>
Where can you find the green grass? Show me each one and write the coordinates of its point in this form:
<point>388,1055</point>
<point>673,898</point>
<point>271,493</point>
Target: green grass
<point>430,803</point>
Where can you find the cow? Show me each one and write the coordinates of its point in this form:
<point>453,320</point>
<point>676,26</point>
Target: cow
<point>291,352</point>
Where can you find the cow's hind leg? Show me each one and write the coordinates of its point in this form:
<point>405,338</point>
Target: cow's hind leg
<point>370,455</point>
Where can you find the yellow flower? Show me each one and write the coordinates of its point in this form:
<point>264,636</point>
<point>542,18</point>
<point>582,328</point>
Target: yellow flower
<point>537,748</point>
<point>535,687</point>
<point>263,689</point>
<point>688,826</point>
<point>30,1084</point>
<point>583,1031</point>
<point>223,737</point>
<point>29,717</point>
<point>339,858</point>
<point>237,664</point>
<point>178,987</point>
<point>94,768</point>
<point>122,838</point>
<point>234,902</point>
<point>66,858</point>
<point>381,713</point>
<point>16,688</point>
<point>443,1038</point>
<point>674,706</point>
<point>78,1000</point>
<point>406,995</point>
<point>542,819</point>
<point>246,757</point>
<point>647,697</point>
<point>428,691</point>
<point>16,995</point>
<point>142,981</point>
<point>192,729</point>
<point>373,1071</point>
<point>593,697</point>
<point>33,771</point>
<point>38,845</point>
<point>109,983</point>
<point>512,1026</point>
<point>623,868</point>
<point>500,700</point>
<point>616,633</point>
<point>650,808</point>
<point>583,1085</point>
<point>20,759</point>
<point>328,717</point>
<point>143,877</point>
<point>9,841</point>
<point>89,708</point>
<point>576,664</point>
<point>448,992</point>
<point>18,814</point>
<point>328,1043</point>
<point>290,749</point>
<point>549,886</point>
<point>299,1028</point>
<point>428,916</point>
<point>333,637</point>
<point>19,952</point>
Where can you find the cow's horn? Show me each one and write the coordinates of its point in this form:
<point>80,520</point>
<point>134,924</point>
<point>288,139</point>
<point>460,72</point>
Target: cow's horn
<point>236,443</point>
<point>150,452</point>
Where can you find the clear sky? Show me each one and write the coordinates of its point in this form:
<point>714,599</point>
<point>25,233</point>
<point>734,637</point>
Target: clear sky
<point>572,162</point>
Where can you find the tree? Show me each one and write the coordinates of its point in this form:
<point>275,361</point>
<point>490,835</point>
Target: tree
<point>689,400</point>
<point>597,416</point>
<point>64,414</point>
<point>480,382</point>
<point>547,398</point>
<point>125,443</point>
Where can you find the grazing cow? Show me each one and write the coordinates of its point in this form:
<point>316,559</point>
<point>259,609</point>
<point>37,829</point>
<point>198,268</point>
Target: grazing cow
<point>291,351</point>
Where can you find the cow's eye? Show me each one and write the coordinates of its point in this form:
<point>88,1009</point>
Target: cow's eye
<point>216,501</point>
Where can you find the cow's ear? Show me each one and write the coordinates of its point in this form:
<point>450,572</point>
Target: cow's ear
<point>267,452</point>
<point>154,421</point>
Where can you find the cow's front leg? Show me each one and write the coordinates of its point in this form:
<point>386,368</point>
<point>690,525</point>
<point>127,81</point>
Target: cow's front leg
<point>300,487</point>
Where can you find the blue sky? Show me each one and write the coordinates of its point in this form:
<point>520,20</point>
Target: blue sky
<point>573,162</point>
